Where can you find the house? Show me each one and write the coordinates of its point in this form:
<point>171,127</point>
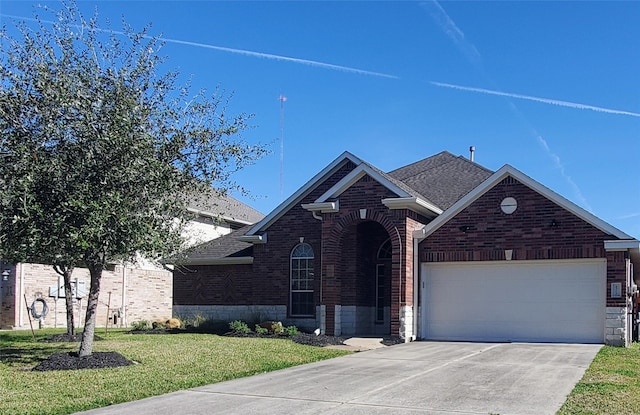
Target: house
<point>441,249</point>
<point>128,292</point>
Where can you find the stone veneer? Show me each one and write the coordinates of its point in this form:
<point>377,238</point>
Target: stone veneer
<point>616,324</point>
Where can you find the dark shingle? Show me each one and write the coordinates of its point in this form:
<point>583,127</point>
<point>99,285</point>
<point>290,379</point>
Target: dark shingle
<point>442,179</point>
<point>226,246</point>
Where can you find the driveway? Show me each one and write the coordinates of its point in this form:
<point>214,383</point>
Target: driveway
<point>413,378</point>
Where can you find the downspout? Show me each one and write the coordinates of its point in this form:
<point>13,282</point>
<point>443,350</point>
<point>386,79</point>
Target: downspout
<point>319,217</point>
<point>21,304</point>
<point>123,310</point>
<point>416,286</point>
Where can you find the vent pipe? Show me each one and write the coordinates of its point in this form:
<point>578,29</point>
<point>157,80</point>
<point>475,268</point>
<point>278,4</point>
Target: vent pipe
<point>472,150</point>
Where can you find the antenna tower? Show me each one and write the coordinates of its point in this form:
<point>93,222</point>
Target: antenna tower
<point>282,100</point>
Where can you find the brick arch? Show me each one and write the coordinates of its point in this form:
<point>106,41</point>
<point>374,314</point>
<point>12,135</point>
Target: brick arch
<point>340,274</point>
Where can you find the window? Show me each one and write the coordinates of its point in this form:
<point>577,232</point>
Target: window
<point>384,255</point>
<point>302,303</point>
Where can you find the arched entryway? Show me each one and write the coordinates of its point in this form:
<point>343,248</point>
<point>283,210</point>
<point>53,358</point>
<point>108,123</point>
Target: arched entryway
<point>364,272</point>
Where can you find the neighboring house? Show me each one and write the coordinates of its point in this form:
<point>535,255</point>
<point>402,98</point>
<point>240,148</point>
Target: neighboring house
<point>128,292</point>
<point>441,249</point>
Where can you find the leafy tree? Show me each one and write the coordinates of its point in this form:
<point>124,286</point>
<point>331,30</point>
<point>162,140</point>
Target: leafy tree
<point>100,151</point>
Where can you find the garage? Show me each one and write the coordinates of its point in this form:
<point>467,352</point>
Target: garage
<point>560,301</point>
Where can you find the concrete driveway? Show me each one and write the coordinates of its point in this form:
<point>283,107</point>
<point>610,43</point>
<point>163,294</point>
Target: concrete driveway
<point>413,378</point>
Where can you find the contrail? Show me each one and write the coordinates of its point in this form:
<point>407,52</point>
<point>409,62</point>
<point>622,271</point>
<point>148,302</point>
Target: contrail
<point>536,99</point>
<point>279,58</point>
<point>241,52</point>
<point>449,27</point>
<point>563,173</point>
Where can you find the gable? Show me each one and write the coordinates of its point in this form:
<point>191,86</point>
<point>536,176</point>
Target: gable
<point>338,168</point>
<point>509,173</point>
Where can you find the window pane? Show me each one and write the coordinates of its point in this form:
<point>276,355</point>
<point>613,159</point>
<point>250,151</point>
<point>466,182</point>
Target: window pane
<point>302,303</point>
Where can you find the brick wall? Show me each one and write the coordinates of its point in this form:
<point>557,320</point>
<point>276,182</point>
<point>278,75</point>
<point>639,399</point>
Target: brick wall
<point>146,296</point>
<point>538,229</point>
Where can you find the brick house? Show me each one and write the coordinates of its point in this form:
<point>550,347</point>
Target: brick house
<point>441,249</point>
<point>128,292</point>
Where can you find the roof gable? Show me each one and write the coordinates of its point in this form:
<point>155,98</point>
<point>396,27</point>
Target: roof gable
<point>409,198</point>
<point>307,188</point>
<point>496,178</point>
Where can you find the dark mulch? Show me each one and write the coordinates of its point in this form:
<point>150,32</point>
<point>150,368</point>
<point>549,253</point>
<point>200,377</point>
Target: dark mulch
<point>71,361</point>
<point>66,338</point>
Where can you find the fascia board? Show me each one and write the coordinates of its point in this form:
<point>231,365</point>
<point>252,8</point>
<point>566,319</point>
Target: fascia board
<point>212,215</point>
<point>220,261</point>
<point>496,178</point>
<point>325,207</point>
<point>622,245</point>
<point>412,203</point>
<point>254,239</point>
<point>315,181</point>
<point>355,175</point>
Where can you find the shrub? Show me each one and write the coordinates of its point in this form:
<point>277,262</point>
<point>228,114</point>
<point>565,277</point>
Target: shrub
<point>261,330</point>
<point>140,325</point>
<point>173,323</point>
<point>273,327</point>
<point>240,327</point>
<point>291,330</point>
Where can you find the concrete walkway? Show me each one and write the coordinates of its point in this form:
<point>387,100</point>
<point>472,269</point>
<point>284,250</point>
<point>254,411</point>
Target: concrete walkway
<point>414,378</point>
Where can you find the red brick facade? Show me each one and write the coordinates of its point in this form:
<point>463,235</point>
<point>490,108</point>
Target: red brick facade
<point>346,242</point>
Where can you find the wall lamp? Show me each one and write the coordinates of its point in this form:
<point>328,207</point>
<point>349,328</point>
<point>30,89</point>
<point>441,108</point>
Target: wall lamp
<point>5,274</point>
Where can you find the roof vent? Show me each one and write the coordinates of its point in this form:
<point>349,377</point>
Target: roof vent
<point>472,150</point>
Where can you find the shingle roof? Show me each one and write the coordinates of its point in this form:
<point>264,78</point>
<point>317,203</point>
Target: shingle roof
<point>226,246</point>
<point>442,179</point>
<point>226,207</point>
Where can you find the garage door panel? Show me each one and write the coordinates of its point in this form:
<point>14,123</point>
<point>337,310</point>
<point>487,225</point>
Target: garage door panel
<point>558,301</point>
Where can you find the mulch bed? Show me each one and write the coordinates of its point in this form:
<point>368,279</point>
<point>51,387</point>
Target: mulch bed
<point>71,361</point>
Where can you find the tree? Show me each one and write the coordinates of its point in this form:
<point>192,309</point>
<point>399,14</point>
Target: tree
<point>99,148</point>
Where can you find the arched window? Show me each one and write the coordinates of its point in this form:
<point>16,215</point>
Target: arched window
<point>384,252</point>
<point>302,303</point>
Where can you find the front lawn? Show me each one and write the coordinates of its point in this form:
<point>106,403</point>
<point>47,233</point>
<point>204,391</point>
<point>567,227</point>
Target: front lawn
<point>611,385</point>
<point>166,363</point>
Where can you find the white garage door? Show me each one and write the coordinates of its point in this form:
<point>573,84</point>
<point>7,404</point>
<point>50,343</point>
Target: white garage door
<point>536,301</point>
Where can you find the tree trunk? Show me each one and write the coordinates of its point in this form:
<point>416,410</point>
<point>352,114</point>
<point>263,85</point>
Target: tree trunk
<point>68,296</point>
<point>66,271</point>
<point>86,345</point>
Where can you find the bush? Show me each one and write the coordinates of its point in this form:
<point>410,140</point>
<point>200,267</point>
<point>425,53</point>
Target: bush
<point>173,323</point>
<point>240,327</point>
<point>291,331</point>
<point>140,325</point>
<point>261,330</point>
<point>273,327</point>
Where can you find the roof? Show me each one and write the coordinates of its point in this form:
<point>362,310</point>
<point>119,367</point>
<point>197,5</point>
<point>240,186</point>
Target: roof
<point>442,179</point>
<point>428,186</point>
<point>227,249</point>
<point>225,207</point>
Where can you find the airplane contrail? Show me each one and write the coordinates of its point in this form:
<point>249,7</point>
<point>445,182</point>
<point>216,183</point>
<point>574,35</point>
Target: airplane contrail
<point>536,99</point>
<point>238,51</point>
<point>280,58</point>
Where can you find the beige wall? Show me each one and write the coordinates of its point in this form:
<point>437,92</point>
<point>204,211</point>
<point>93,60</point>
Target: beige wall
<point>138,294</point>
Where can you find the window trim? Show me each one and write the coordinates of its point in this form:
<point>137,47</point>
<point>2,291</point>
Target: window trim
<point>307,255</point>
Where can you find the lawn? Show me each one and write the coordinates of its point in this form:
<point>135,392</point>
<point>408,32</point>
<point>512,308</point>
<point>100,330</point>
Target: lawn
<point>166,363</point>
<point>610,386</point>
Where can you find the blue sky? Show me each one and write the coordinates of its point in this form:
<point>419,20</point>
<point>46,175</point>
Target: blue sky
<point>551,88</point>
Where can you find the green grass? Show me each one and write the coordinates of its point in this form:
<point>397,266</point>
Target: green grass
<point>611,385</point>
<point>166,363</point>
